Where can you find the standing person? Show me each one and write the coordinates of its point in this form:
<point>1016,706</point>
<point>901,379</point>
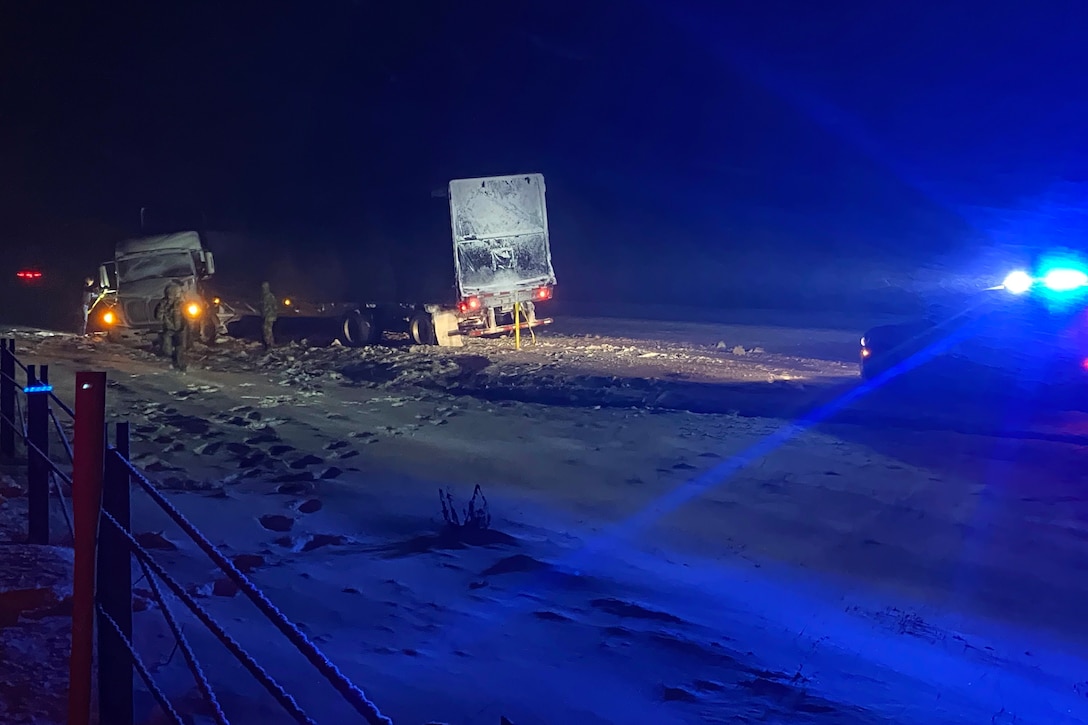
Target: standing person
<point>174,335</point>
<point>269,313</point>
<point>90,295</point>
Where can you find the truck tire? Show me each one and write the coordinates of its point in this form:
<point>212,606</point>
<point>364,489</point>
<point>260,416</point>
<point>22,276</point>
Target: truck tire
<point>358,329</point>
<point>421,328</point>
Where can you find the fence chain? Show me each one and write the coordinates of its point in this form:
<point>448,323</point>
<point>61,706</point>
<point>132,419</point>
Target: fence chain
<point>274,688</point>
<point>21,417</point>
<point>56,475</point>
<point>141,669</point>
<point>63,436</point>
<point>355,696</point>
<point>63,503</point>
<point>63,406</point>
<point>31,447</point>
<point>186,649</point>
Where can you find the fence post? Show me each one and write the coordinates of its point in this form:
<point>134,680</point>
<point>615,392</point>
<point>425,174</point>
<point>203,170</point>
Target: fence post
<point>87,468</point>
<point>115,589</point>
<point>7,397</point>
<point>37,455</point>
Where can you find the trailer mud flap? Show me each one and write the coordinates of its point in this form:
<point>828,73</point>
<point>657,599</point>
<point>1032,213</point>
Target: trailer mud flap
<point>446,329</point>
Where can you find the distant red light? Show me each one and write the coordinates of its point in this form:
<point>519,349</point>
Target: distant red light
<point>28,274</point>
<point>1084,363</point>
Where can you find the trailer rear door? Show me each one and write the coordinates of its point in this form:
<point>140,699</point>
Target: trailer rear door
<point>500,234</point>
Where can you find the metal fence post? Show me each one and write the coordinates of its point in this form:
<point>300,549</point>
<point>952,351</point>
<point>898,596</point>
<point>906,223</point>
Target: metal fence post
<point>115,589</point>
<point>37,456</point>
<point>87,468</point>
<point>7,397</point>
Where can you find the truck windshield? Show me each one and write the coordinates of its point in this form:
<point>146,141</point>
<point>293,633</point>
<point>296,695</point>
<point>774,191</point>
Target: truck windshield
<point>155,266</point>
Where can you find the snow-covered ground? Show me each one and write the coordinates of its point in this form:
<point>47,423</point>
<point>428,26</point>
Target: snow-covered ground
<point>676,535</point>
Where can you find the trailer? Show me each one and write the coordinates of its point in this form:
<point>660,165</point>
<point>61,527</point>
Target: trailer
<point>501,270</point>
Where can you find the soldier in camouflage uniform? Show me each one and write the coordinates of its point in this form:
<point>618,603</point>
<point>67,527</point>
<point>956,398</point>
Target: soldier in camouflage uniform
<point>269,313</point>
<point>173,337</point>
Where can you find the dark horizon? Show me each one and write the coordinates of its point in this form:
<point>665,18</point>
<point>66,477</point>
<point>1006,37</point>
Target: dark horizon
<point>726,136</point>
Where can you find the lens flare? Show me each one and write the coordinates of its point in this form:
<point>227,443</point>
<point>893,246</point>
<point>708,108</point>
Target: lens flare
<point>1065,280</point>
<point>1018,282</point>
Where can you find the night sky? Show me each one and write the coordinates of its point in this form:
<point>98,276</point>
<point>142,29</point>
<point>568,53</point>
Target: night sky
<point>701,129</point>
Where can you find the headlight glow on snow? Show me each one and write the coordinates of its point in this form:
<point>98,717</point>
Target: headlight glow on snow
<point>1018,282</point>
<point>1065,280</point>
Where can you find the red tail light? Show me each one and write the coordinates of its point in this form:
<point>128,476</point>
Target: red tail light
<point>542,293</point>
<point>471,304</point>
<point>28,274</point>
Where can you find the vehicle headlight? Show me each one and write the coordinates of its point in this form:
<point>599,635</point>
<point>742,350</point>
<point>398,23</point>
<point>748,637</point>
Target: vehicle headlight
<point>1018,282</point>
<point>193,309</point>
<point>109,318</point>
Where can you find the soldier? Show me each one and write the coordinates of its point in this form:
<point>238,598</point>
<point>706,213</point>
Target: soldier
<point>269,313</point>
<point>174,334</point>
<point>90,294</point>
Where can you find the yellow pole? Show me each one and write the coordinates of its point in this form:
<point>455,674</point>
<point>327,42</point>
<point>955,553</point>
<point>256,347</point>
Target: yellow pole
<point>517,326</point>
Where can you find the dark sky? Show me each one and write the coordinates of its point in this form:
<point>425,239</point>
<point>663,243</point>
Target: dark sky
<point>648,118</point>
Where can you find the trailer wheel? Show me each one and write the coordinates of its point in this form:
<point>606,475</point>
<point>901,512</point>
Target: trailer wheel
<point>357,329</point>
<point>422,329</point>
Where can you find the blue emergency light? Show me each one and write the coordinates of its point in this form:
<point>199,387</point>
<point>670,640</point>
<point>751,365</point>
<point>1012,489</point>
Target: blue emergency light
<point>1060,280</point>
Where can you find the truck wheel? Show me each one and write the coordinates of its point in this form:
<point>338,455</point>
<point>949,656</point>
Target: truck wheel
<point>357,329</point>
<point>422,329</point>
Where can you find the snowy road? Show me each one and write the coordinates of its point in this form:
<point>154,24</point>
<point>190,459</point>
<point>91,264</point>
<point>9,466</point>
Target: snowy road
<point>754,563</point>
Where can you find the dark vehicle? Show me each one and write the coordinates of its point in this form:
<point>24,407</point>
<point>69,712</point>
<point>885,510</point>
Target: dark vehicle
<point>1033,328</point>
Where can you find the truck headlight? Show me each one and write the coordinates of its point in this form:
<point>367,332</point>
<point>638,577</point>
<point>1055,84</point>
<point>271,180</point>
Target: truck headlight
<point>109,318</point>
<point>193,309</point>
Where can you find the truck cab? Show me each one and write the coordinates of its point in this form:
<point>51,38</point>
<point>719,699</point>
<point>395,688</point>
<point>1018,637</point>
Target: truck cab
<point>134,282</point>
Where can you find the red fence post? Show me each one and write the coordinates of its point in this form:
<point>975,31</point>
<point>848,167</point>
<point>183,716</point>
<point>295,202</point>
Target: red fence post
<point>89,450</point>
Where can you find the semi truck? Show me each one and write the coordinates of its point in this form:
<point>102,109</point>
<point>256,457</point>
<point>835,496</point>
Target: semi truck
<point>501,270</point>
<point>133,283</point>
